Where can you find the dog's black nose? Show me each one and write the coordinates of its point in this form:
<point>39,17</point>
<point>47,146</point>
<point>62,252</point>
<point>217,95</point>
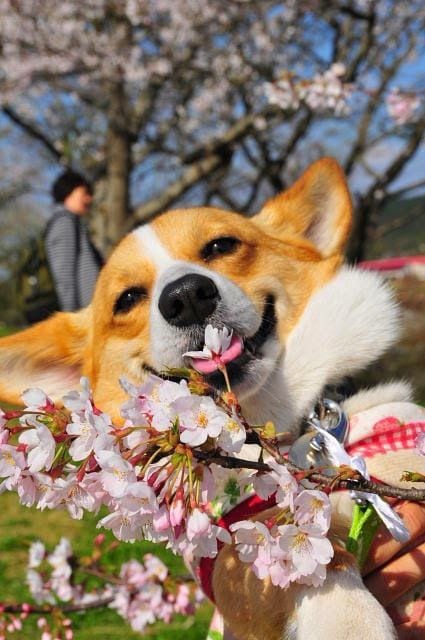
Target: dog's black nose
<point>188,300</point>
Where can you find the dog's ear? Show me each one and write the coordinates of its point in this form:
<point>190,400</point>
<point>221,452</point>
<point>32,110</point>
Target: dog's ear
<point>48,355</point>
<point>317,207</point>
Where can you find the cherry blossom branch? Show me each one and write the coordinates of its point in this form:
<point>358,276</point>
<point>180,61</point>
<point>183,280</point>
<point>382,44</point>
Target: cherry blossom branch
<point>336,481</point>
<point>49,609</point>
<point>132,589</point>
<point>229,462</point>
<point>357,483</point>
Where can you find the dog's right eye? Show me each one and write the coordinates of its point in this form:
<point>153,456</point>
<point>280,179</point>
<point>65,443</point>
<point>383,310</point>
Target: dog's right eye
<point>219,247</point>
<point>128,299</point>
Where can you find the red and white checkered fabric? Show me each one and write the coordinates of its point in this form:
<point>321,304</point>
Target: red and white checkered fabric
<point>389,427</point>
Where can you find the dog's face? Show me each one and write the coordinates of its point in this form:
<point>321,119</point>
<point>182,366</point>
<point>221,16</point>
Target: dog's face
<point>167,280</point>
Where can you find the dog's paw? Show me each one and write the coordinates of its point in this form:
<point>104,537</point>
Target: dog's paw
<point>343,609</point>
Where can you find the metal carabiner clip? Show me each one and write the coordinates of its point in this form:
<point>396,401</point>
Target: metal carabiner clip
<point>309,450</point>
<point>332,418</point>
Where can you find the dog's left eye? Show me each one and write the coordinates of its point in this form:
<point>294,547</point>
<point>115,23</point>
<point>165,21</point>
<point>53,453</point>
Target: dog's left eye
<point>219,247</point>
<point>128,299</point>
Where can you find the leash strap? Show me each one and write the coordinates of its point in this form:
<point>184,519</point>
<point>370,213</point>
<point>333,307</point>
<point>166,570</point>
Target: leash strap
<point>246,509</point>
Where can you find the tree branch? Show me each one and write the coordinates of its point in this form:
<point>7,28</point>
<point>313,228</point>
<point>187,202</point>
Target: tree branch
<point>409,187</point>
<point>218,145</point>
<point>33,131</point>
<point>146,211</point>
<point>369,203</point>
<point>205,160</point>
<point>397,223</point>
<point>65,608</point>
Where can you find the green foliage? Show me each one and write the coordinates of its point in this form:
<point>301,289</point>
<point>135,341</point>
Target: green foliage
<point>402,228</point>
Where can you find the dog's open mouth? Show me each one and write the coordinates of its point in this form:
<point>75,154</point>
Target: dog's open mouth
<point>240,354</point>
<point>241,350</point>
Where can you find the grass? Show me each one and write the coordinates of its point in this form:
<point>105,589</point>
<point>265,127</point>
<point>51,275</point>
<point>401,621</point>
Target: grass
<point>5,330</point>
<point>20,526</point>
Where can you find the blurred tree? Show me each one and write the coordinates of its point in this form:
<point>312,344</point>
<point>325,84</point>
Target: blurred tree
<point>20,225</point>
<point>215,101</point>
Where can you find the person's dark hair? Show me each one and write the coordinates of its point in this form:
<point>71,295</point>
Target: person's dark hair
<point>65,184</point>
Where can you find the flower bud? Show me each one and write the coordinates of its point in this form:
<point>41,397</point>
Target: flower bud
<point>99,539</point>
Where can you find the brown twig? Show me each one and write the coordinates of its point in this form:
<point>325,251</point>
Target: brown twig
<point>357,484</point>
<point>335,481</point>
<point>65,608</point>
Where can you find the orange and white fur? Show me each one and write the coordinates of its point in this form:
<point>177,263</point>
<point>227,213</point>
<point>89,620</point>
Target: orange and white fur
<point>277,280</point>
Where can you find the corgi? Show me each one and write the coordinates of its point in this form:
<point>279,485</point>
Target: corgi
<point>278,281</point>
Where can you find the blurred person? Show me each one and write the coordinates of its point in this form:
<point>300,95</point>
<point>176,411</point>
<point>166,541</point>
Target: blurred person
<point>73,260</point>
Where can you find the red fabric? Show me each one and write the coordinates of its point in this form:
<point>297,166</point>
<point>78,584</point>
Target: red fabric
<point>242,511</point>
<point>391,264</point>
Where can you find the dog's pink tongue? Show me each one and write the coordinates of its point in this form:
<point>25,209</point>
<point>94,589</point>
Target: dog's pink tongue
<point>208,366</point>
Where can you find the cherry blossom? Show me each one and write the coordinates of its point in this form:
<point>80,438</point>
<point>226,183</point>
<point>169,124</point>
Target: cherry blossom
<point>233,434</point>
<point>116,473</point>
<point>220,348</point>
<point>282,553</point>
<point>12,462</point>
<point>71,494</point>
<point>217,341</point>
<point>161,523</point>
<point>283,93</point>
<point>203,535</point>
<point>37,588</point>
<point>313,507</point>
<point>325,92</point>
<point>265,484</point>
<point>402,106</point>
<point>279,481</point>
<point>160,403</point>
<point>126,527</point>
<point>249,537</point>
<point>272,563</point>
<point>200,420</point>
<point>88,427</point>
<point>178,508</point>
<point>62,571</point>
<point>33,489</point>
<point>41,448</point>
<point>79,401</point>
<point>141,592</point>
<point>36,400</point>
<point>305,546</point>
<point>36,554</point>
